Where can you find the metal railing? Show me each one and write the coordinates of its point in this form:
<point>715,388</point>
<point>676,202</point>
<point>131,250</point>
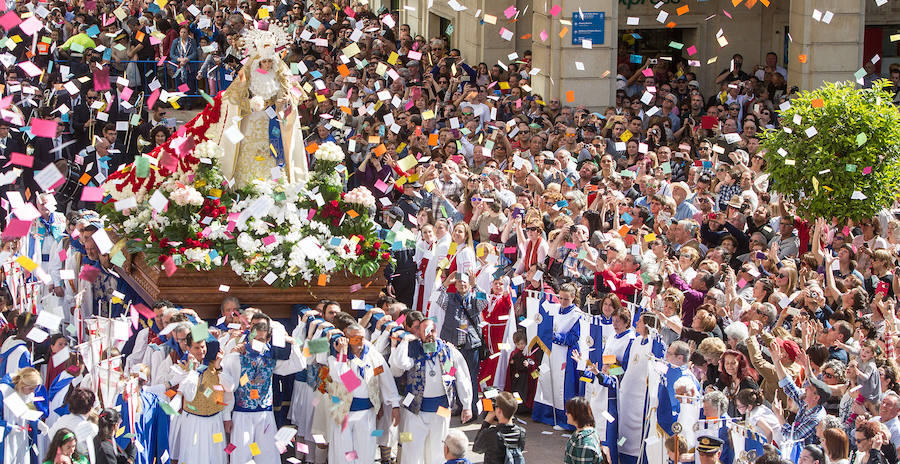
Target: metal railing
<point>168,76</point>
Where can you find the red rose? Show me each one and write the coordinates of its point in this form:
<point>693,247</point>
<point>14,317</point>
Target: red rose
<point>373,254</point>
<point>385,256</point>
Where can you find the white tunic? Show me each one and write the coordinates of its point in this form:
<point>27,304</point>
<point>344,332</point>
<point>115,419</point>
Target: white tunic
<point>196,433</point>
<point>438,251</point>
<point>552,380</point>
<point>14,437</point>
<point>633,396</point>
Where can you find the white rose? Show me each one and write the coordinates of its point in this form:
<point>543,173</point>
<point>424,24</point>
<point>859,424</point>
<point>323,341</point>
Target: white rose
<point>330,151</point>
<point>257,103</point>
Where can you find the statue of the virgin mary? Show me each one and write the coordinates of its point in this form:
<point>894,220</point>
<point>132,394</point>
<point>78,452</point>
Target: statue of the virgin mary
<point>262,105</point>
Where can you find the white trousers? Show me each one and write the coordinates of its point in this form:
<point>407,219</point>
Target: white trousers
<point>254,427</point>
<point>428,432</point>
<point>303,407</point>
<point>388,429</point>
<point>196,439</point>
<point>301,412</point>
<point>357,436</point>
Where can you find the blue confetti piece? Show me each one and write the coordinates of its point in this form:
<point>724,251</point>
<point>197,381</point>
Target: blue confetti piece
<point>636,59</point>
<point>627,218</point>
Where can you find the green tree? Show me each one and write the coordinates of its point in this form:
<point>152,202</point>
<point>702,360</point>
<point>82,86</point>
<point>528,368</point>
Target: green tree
<point>837,153</point>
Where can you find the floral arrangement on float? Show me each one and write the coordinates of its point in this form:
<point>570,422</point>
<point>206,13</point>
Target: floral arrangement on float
<point>185,214</point>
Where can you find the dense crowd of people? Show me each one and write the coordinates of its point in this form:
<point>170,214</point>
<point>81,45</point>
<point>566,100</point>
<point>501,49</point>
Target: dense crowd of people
<point>569,265</point>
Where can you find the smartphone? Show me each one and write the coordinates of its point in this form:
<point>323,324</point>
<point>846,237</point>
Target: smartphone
<point>549,162</point>
<point>760,255</point>
<point>653,61</point>
<point>713,216</point>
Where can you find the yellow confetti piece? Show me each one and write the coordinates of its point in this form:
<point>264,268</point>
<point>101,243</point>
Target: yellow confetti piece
<point>405,437</point>
<point>218,438</point>
<point>27,263</point>
<point>254,449</point>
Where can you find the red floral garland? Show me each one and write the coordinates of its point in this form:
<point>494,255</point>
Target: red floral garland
<point>197,130</point>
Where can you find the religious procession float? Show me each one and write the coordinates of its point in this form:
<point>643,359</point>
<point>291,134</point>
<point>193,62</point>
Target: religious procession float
<point>229,203</point>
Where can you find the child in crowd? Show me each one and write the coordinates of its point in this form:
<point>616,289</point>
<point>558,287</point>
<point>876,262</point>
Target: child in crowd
<point>866,372</point>
<point>521,368</point>
<point>500,439</point>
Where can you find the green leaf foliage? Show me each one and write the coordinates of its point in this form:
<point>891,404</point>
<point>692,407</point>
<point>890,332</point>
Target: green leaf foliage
<point>856,149</point>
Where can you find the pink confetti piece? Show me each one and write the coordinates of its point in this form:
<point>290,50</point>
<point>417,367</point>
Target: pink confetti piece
<point>10,20</point>
<point>31,25</point>
<point>555,10</point>
<point>510,11</point>
<point>727,14</point>
<point>91,193</point>
<point>867,170</point>
<point>543,35</point>
<point>43,128</point>
<point>692,50</point>
<point>350,380</point>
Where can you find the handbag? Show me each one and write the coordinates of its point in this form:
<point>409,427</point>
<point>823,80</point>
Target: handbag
<point>484,351</point>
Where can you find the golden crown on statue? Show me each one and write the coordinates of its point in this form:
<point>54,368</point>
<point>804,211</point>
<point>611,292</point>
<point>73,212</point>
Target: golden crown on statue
<point>264,40</point>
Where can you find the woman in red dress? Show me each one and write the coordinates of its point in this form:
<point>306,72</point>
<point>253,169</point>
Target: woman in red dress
<point>497,316</point>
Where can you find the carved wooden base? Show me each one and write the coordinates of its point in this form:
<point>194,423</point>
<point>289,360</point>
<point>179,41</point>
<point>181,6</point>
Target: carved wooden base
<point>200,290</point>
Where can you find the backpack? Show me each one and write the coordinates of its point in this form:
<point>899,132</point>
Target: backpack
<point>514,456</point>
